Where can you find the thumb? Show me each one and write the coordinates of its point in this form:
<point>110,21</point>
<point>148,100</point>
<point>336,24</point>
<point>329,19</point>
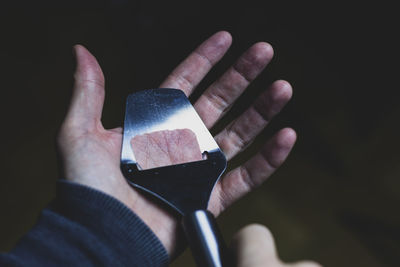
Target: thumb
<point>88,93</point>
<point>254,246</point>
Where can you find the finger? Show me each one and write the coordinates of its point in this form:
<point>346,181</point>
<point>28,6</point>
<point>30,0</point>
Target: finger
<point>241,132</point>
<point>193,69</point>
<point>303,264</point>
<point>254,246</point>
<point>88,93</point>
<point>217,99</point>
<point>253,173</point>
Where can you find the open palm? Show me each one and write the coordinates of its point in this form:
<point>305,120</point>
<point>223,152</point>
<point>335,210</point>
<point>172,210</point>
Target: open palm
<point>91,154</point>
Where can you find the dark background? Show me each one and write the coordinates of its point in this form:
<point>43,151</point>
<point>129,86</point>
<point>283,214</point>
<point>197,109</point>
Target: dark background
<point>335,200</point>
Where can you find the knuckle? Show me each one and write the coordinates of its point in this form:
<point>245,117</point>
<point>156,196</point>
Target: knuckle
<point>218,100</point>
<point>236,137</point>
<point>245,176</point>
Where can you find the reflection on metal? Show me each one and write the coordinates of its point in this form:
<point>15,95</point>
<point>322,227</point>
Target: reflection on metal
<point>185,187</point>
<point>161,109</point>
<point>208,241</point>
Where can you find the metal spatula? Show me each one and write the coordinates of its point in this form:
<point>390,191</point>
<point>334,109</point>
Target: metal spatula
<point>185,187</point>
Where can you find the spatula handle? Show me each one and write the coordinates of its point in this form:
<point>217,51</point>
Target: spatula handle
<point>205,239</point>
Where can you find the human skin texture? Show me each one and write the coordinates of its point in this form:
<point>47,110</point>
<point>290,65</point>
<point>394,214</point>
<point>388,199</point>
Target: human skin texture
<point>90,154</point>
<point>163,148</point>
<point>254,246</point>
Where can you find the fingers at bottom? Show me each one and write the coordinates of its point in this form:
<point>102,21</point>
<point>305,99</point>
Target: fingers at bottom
<point>254,246</point>
<point>303,264</point>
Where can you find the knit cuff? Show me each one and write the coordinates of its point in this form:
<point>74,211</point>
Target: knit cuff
<point>107,217</point>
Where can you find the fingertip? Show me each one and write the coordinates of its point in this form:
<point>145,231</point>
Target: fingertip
<point>220,40</point>
<point>215,46</point>
<point>78,46</point>
<point>254,233</point>
<point>258,230</point>
<point>254,246</point>
<point>264,50</point>
<point>286,138</point>
<point>281,90</point>
<point>79,51</point>
<point>254,60</point>
<point>224,36</point>
<point>87,67</point>
<point>277,149</point>
<point>278,95</point>
<point>307,264</point>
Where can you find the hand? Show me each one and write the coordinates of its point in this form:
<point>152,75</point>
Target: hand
<point>254,246</point>
<point>91,154</point>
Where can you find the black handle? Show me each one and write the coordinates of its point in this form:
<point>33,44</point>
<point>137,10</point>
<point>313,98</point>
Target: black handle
<point>205,239</point>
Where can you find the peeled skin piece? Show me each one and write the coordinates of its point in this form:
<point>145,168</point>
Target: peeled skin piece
<point>165,148</point>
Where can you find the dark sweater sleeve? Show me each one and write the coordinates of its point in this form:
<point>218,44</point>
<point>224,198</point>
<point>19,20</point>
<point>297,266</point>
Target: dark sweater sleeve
<point>85,227</point>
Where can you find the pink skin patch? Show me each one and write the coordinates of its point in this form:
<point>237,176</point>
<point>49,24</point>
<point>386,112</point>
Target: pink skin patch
<point>165,148</point>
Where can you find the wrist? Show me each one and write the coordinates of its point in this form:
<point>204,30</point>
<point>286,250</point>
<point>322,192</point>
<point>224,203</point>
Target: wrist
<point>116,224</point>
